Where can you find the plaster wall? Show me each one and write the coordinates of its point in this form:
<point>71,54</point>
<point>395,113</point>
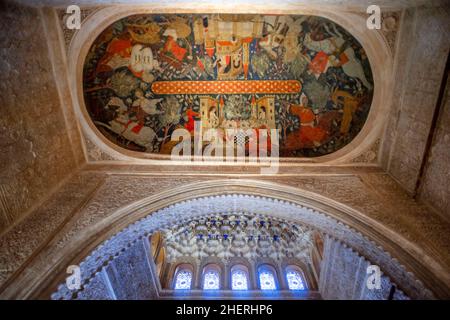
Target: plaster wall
<point>37,152</point>
<point>435,188</point>
<point>421,55</point>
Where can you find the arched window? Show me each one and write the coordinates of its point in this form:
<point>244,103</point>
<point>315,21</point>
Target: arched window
<point>239,277</point>
<point>294,277</point>
<point>267,278</point>
<point>211,277</point>
<point>183,277</point>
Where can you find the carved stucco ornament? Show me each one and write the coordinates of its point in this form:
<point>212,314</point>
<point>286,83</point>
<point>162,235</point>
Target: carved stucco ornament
<point>69,33</point>
<point>389,27</point>
<point>370,155</point>
<point>390,22</point>
<point>243,235</point>
<point>94,153</point>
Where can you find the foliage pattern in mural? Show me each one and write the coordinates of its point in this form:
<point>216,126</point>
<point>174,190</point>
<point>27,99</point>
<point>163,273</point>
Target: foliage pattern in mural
<point>147,75</point>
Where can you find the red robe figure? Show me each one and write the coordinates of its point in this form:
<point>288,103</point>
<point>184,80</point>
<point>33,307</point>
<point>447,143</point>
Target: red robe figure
<point>189,125</point>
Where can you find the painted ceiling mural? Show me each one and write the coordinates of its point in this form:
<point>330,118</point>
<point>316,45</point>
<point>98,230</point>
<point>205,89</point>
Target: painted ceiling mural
<point>147,75</point>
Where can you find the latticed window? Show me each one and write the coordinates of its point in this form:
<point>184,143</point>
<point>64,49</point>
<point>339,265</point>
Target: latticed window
<point>240,277</point>
<point>294,280</point>
<point>267,279</point>
<point>183,279</point>
<point>239,280</point>
<point>211,280</point>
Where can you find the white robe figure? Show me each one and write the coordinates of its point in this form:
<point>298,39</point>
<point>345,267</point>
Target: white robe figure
<point>142,61</point>
<point>122,125</point>
<point>213,119</point>
<point>354,69</point>
<point>262,115</point>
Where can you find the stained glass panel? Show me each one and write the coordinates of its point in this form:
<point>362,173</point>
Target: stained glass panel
<point>295,281</point>
<point>183,280</point>
<point>211,280</point>
<point>239,280</point>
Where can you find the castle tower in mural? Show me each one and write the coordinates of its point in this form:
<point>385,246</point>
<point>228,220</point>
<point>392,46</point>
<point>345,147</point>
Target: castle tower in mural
<point>209,111</point>
<point>265,110</point>
<point>229,40</point>
<point>262,113</point>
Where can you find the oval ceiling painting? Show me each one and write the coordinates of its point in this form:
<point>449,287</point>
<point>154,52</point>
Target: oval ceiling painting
<point>148,75</point>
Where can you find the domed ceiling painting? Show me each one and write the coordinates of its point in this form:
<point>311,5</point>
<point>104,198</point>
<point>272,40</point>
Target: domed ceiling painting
<point>147,75</point>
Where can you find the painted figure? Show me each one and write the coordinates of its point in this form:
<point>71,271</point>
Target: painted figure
<point>190,114</point>
<point>350,105</point>
<point>143,106</point>
<point>117,55</point>
<point>309,134</point>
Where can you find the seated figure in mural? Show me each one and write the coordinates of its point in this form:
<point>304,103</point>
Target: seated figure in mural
<point>213,119</point>
<point>262,114</point>
<point>309,134</point>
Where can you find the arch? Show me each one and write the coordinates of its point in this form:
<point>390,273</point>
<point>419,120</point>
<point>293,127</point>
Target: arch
<point>212,260</point>
<point>249,266</point>
<point>198,199</point>
<point>373,43</point>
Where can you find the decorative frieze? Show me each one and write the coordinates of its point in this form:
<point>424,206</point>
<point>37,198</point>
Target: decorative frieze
<point>390,21</point>
<point>370,155</point>
<point>94,152</point>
